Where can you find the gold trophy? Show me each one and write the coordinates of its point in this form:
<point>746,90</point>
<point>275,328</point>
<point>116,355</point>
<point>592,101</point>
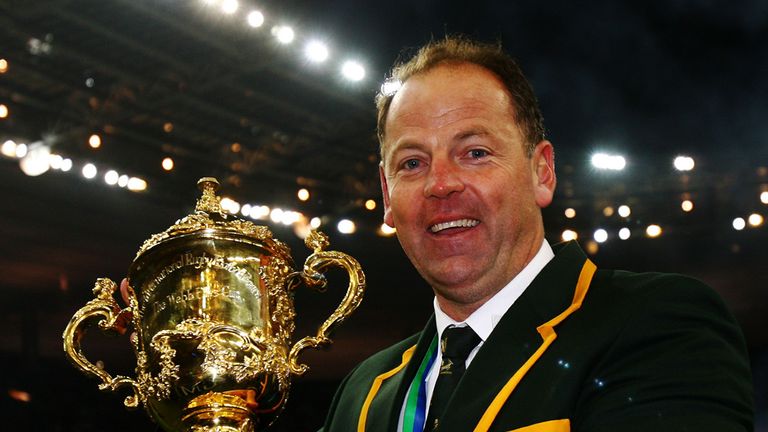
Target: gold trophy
<point>211,320</point>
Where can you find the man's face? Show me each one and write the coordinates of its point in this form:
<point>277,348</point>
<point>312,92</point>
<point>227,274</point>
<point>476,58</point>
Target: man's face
<point>458,186</point>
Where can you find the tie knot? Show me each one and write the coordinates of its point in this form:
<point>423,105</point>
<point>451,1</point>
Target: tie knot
<point>458,342</point>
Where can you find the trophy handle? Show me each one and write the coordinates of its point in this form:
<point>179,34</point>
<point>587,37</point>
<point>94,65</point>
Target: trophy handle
<point>104,311</point>
<point>312,276</point>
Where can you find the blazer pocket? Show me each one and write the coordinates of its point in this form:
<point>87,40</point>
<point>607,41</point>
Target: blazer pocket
<point>563,425</point>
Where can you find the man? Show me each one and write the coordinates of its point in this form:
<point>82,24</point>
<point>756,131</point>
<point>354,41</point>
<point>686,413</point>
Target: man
<point>556,345</point>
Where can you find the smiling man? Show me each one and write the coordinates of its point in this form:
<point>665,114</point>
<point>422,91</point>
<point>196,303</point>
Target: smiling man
<point>461,186</point>
<point>525,336</point>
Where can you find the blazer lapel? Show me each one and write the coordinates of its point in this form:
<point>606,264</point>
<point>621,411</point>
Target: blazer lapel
<point>385,408</point>
<point>514,339</point>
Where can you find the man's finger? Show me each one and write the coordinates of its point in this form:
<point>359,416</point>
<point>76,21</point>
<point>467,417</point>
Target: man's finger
<point>126,292</point>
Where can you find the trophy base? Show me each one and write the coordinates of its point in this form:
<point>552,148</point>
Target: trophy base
<point>218,412</point>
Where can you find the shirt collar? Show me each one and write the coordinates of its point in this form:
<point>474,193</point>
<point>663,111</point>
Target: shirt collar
<point>485,318</point>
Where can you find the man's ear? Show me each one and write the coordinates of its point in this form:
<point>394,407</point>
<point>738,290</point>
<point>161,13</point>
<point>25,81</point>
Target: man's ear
<point>385,195</point>
<point>544,179</point>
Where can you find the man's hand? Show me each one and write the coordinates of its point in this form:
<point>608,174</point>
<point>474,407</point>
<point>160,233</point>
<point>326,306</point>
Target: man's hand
<point>248,395</point>
<point>124,319</point>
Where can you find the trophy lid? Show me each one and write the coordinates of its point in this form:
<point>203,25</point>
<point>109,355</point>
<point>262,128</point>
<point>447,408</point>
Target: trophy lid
<point>210,220</point>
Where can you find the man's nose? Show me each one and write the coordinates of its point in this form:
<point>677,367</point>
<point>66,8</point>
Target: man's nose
<point>443,179</point>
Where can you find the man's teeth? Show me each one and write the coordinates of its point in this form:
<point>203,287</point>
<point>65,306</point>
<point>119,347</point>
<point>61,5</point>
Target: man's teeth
<point>461,223</point>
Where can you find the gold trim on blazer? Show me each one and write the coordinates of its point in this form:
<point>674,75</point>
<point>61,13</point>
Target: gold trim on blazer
<point>547,426</point>
<point>548,335</point>
<point>377,384</point>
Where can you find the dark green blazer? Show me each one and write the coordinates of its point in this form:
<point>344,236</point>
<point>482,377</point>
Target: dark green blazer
<point>637,352</point>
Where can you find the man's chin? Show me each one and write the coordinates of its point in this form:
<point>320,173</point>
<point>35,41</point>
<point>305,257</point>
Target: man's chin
<point>451,280</point>
<point>448,271</point>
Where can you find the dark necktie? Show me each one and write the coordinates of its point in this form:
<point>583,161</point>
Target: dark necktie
<point>455,345</point>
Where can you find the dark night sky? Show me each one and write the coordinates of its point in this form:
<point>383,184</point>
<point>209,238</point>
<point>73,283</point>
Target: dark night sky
<point>650,76</point>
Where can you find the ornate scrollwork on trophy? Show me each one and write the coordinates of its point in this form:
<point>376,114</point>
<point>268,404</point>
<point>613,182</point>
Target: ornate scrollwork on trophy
<point>104,311</point>
<point>212,320</point>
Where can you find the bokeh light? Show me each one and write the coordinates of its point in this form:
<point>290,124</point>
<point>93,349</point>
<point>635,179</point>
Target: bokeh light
<point>624,233</point>
<point>316,51</point>
<point>346,226</point>
<point>624,211</point>
<point>569,235</point>
<point>89,171</point>
<point>755,219</point>
<point>94,141</point>
<point>684,163</point>
<point>283,34</point>
<point>353,70</point>
<point>255,19</point>
<point>606,161</point>
<point>653,231</point>
<point>302,194</point>
<point>386,230</point>
<point>600,235</point>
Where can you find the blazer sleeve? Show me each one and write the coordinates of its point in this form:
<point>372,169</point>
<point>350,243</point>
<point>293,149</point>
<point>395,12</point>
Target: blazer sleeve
<point>678,364</point>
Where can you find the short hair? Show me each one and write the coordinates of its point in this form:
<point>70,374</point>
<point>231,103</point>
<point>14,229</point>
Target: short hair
<point>457,50</point>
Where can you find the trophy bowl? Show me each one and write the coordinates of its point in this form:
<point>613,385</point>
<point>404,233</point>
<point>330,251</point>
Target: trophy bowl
<point>211,318</point>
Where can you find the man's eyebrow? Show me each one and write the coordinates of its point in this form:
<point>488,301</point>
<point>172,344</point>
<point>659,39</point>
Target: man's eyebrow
<point>469,133</point>
<point>406,144</point>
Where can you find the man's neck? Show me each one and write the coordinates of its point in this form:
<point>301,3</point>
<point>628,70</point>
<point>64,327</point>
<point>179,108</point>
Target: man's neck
<point>460,311</point>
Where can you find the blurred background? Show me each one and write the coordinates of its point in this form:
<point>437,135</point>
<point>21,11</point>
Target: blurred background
<point>111,110</point>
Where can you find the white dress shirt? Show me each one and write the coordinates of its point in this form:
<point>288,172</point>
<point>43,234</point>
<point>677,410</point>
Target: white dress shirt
<point>485,318</point>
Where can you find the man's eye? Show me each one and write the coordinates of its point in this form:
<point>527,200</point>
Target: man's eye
<point>478,153</point>
<point>411,164</point>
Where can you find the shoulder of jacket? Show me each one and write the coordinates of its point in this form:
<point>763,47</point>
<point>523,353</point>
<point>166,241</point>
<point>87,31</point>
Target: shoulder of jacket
<point>651,282</point>
<point>624,290</point>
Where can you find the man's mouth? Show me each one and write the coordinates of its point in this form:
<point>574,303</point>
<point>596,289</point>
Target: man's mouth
<point>460,223</point>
